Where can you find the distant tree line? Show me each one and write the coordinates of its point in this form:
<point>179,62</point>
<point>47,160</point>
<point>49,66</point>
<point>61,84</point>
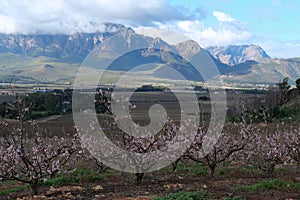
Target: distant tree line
<point>51,102</point>
<point>274,106</point>
<point>39,104</point>
<point>151,88</point>
<point>58,102</point>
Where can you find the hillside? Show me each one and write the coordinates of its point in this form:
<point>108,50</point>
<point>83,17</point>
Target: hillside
<point>269,71</point>
<point>56,58</point>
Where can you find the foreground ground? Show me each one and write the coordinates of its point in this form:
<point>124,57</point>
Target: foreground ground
<point>231,182</point>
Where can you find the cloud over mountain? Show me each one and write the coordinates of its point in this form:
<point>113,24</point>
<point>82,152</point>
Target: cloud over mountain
<point>66,16</point>
<point>227,31</point>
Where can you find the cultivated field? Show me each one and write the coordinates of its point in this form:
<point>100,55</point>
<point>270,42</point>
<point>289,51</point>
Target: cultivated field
<point>258,170</point>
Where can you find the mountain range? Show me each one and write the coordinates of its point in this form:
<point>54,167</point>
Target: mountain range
<point>55,58</point>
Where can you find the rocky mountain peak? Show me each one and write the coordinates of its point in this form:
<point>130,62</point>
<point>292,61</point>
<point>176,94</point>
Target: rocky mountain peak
<point>112,27</point>
<point>188,48</point>
<point>236,54</point>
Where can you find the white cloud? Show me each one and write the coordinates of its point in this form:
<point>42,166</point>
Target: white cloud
<point>65,16</point>
<point>68,16</point>
<point>212,37</point>
<point>190,26</point>
<point>223,17</point>
<point>6,24</point>
<point>227,31</point>
<point>169,36</point>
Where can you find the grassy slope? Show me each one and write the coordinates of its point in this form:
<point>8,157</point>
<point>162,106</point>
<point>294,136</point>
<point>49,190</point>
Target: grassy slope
<point>270,71</point>
<point>17,67</point>
<point>30,70</point>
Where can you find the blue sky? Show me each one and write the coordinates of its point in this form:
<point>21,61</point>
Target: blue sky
<point>272,24</point>
<point>269,18</point>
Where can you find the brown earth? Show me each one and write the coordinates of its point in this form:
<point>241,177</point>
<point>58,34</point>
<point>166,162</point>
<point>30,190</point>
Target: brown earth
<point>122,186</point>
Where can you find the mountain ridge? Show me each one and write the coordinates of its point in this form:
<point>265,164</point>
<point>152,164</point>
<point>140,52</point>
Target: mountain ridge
<point>236,54</point>
<point>59,46</point>
<point>235,62</point>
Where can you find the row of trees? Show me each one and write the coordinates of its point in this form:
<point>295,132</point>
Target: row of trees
<point>252,144</point>
<point>28,154</point>
<point>32,156</point>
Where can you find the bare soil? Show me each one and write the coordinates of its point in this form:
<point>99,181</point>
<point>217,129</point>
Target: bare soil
<point>122,186</point>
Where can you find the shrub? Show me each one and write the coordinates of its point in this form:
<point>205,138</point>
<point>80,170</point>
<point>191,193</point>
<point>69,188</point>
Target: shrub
<point>185,196</point>
<point>271,184</point>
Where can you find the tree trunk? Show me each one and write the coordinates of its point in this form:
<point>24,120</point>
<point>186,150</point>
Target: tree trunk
<point>139,177</point>
<point>212,170</point>
<point>34,187</point>
<point>174,165</point>
<point>269,170</point>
